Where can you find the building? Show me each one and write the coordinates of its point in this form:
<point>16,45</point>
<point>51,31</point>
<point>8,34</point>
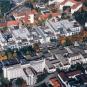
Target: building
<point>38,65</point>
<point>50,67</point>
<point>64,57</point>
<point>2,42</point>
<point>75,5</point>
<point>35,36</point>
<point>31,75</point>
<point>72,3</point>
<point>86,24</point>
<point>24,14</point>
<point>46,33</point>
<point>9,23</point>
<point>18,2</point>
<point>63,27</point>
<point>21,71</point>
<point>21,36</point>
<point>73,78</point>
<point>13,72</point>
<point>54,1</point>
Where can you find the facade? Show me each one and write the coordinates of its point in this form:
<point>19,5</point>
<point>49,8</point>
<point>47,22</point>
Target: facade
<point>31,76</point>
<point>18,71</point>
<point>2,42</point>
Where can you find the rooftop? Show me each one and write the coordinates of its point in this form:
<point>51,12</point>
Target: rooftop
<point>63,27</point>
<point>54,82</point>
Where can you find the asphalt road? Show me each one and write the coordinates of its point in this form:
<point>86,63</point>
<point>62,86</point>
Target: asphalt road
<point>46,80</point>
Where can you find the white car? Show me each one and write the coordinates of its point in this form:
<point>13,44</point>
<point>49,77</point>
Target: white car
<point>40,6</point>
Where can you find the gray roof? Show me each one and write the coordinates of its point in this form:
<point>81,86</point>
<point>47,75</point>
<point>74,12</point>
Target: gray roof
<point>59,51</point>
<point>48,63</point>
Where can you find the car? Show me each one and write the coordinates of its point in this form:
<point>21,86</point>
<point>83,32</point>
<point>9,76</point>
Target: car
<point>40,5</point>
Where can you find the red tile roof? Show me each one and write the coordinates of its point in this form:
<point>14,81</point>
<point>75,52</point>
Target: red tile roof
<point>45,16</point>
<point>12,23</point>
<point>26,12</point>
<point>55,14</point>
<point>9,23</point>
<point>55,82</point>
<point>3,24</point>
<point>26,19</point>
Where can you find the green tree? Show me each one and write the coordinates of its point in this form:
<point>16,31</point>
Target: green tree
<point>36,47</point>
<point>67,42</point>
<point>20,82</point>
<point>5,6</point>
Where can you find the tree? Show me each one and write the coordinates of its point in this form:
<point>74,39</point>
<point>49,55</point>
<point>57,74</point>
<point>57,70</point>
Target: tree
<point>5,6</point>
<point>81,17</point>
<point>85,4</point>
<point>20,82</point>
<point>14,54</point>
<point>84,39</point>
<point>80,67</point>
<point>31,50</point>
<point>34,0</point>
<point>4,82</point>
<point>67,42</point>
<point>29,4</point>
<point>36,47</point>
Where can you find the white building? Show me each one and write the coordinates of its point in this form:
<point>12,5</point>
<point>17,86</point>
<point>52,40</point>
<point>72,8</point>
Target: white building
<point>21,36</point>
<point>35,36</point>
<point>54,1</point>
<point>63,27</point>
<point>31,76</point>
<point>18,2</point>
<point>72,3</point>
<point>86,24</point>
<point>50,67</point>
<point>17,71</point>
<point>2,42</point>
<point>27,71</point>
<point>47,33</point>
<point>13,72</point>
<point>24,14</point>
<point>38,65</point>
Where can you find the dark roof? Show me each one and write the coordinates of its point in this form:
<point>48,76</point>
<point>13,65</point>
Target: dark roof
<point>82,77</point>
<point>65,75</point>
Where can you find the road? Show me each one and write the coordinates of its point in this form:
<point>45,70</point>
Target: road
<point>7,14</point>
<point>46,79</point>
